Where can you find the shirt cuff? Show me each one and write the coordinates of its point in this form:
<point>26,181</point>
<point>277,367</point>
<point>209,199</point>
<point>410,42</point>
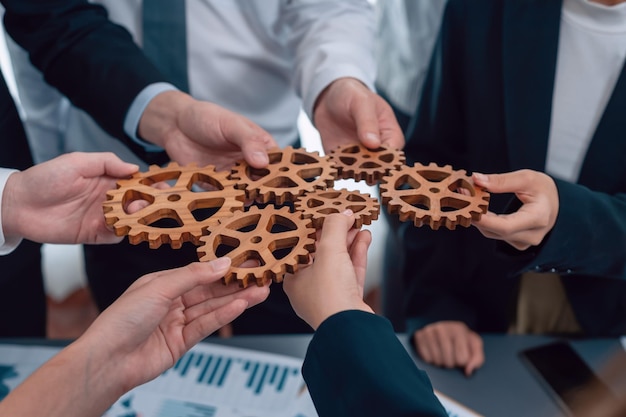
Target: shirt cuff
<point>131,122</point>
<point>6,246</point>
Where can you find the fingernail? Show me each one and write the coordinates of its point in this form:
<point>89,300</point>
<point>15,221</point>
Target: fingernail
<point>348,213</point>
<point>372,137</point>
<point>481,177</point>
<point>260,158</point>
<point>221,263</point>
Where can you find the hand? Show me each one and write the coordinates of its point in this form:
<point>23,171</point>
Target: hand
<point>348,112</point>
<point>450,344</point>
<point>334,281</point>
<point>207,134</point>
<point>529,225</point>
<point>60,201</point>
<point>162,315</point>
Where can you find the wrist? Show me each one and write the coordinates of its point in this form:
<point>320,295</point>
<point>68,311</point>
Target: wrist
<point>159,121</point>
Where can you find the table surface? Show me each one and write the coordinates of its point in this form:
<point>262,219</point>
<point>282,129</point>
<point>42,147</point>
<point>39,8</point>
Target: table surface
<point>504,386</point>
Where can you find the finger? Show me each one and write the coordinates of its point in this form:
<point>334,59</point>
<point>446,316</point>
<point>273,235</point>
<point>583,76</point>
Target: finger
<point>432,342</point>
<point>444,342</point>
<point>365,119</point>
<point>422,346</point>
<point>253,141</point>
<point>510,182</point>
<point>176,282</point>
<point>461,349</point>
<point>106,163</point>
<point>253,295</point>
<point>358,255</point>
<point>204,325</point>
<point>476,354</point>
<point>391,135</point>
<point>505,226</point>
<point>335,232</point>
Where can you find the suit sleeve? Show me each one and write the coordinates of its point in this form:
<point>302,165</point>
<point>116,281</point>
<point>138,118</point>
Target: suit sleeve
<point>588,238</point>
<point>80,52</point>
<point>356,366</point>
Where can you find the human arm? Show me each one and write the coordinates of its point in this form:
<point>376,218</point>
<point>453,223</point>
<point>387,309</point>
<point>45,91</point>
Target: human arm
<point>159,318</point>
<point>60,201</point>
<point>335,69</point>
<point>96,64</point>
<point>353,351</point>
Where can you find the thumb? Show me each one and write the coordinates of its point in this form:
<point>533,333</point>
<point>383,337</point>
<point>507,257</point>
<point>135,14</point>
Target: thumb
<point>335,232</point>
<point>253,142</point>
<point>365,119</point>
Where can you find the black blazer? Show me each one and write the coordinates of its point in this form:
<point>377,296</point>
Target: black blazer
<point>355,366</point>
<point>92,61</point>
<point>486,107</point>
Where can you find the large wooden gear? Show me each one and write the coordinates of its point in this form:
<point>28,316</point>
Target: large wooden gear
<point>433,195</point>
<point>320,204</point>
<point>178,208</point>
<point>360,163</point>
<point>290,173</point>
<point>274,241</point>
<point>199,205</point>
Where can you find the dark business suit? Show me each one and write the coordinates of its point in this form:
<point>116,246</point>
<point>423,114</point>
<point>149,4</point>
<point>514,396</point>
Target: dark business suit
<point>97,65</point>
<point>355,366</point>
<point>486,107</point>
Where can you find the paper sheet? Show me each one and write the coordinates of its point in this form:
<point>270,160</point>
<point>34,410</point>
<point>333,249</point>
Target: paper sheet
<point>209,381</point>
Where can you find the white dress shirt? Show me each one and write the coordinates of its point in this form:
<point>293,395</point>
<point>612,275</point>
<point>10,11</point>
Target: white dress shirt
<point>264,59</point>
<point>592,48</point>
<point>407,31</point>
<point>6,246</point>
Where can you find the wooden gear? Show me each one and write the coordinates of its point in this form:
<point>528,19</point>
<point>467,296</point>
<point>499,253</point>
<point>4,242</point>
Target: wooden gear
<point>434,196</point>
<point>260,236</point>
<point>320,204</point>
<point>176,202</point>
<point>360,163</point>
<point>290,173</point>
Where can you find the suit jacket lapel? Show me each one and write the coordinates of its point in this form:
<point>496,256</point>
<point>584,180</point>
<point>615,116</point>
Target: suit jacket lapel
<point>529,41</point>
<point>604,168</point>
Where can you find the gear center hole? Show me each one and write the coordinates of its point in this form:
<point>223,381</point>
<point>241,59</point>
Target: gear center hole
<point>173,197</point>
<point>256,239</point>
<point>434,190</point>
<point>336,203</point>
<point>283,169</point>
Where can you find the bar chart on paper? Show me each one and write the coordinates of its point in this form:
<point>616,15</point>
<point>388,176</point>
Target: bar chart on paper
<point>217,381</point>
<point>226,377</point>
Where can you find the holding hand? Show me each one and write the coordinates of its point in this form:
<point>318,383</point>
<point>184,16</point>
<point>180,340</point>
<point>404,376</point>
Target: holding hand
<point>196,131</point>
<point>450,344</point>
<point>529,225</point>
<point>163,314</point>
<point>335,280</point>
<point>347,112</point>
<point>143,333</point>
<point>60,201</point>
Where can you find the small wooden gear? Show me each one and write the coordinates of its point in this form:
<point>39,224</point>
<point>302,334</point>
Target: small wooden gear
<point>434,195</point>
<point>360,163</point>
<point>320,204</point>
<point>179,209</point>
<point>290,173</point>
<point>275,241</point>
